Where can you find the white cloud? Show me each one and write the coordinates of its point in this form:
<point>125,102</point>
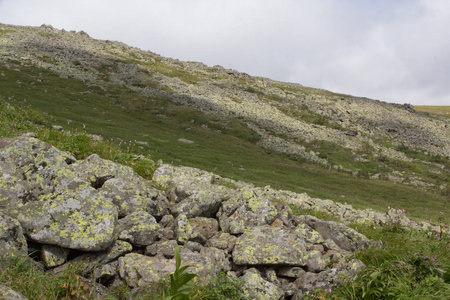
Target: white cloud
<point>395,51</point>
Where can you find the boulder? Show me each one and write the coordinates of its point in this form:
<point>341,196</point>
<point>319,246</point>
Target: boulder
<point>171,176</point>
<point>134,194</point>
<point>9,294</point>
<point>97,171</point>
<point>258,288</point>
<point>53,256</point>
<point>140,270</point>
<point>345,237</point>
<point>12,240</point>
<point>118,249</point>
<point>207,227</point>
<point>246,210</point>
<point>28,167</point>
<point>205,201</point>
<point>139,228</point>
<point>271,246</point>
<point>77,218</point>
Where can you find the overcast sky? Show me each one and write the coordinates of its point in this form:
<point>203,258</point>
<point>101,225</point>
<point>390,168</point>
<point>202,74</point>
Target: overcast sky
<point>395,51</point>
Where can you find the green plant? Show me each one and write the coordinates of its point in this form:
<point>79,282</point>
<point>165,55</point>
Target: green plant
<point>222,287</point>
<point>180,281</point>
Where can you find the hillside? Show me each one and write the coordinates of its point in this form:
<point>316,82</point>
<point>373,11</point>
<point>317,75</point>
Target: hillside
<point>99,198</point>
<point>250,128</point>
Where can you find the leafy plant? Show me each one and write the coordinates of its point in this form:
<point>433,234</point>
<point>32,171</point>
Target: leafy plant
<point>180,281</point>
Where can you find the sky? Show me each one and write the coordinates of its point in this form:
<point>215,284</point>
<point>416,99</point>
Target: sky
<point>394,51</point>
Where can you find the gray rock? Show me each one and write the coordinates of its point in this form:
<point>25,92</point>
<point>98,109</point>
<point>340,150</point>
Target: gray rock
<point>207,227</point>
<point>259,289</point>
<point>76,219</point>
<point>245,211</point>
<point>97,171</point>
<point>308,234</point>
<point>139,228</point>
<point>139,270</point>
<point>53,256</point>
<point>345,237</point>
<point>203,201</point>
<point>272,246</point>
<point>118,249</point>
<point>134,194</point>
<point>8,294</point>
<point>12,240</point>
<point>222,240</point>
<point>106,272</point>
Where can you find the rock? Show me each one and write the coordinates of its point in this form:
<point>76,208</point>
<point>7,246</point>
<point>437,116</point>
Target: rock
<point>164,248</point>
<point>139,228</point>
<point>171,176</point>
<point>345,237</point>
<point>53,256</point>
<point>292,272</point>
<point>246,211</point>
<point>259,289</point>
<point>308,234</point>
<point>9,294</point>
<point>97,171</point>
<point>78,219</point>
<point>185,141</point>
<point>201,200</point>
<point>139,270</point>
<point>29,167</point>
<point>134,194</point>
<point>106,272</point>
<point>118,249</point>
<point>222,240</point>
<point>12,240</point>
<point>207,227</point>
<point>266,245</point>
<point>57,127</point>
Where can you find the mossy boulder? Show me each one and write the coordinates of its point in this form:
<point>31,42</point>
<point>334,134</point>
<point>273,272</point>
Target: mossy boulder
<point>271,246</point>
<point>28,167</point>
<point>139,228</point>
<point>75,219</point>
<point>345,237</point>
<point>256,287</point>
<point>140,270</point>
<point>12,240</point>
<point>134,194</point>
<point>248,209</point>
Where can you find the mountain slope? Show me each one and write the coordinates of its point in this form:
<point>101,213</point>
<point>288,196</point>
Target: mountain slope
<point>251,128</point>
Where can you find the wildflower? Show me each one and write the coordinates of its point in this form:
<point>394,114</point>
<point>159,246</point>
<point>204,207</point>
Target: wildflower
<point>84,126</point>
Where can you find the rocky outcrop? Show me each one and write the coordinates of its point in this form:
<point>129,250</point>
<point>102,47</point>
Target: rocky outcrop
<point>104,215</point>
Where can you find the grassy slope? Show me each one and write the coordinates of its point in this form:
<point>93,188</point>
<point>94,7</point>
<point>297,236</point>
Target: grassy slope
<point>442,112</point>
<point>221,152</point>
<point>411,265</point>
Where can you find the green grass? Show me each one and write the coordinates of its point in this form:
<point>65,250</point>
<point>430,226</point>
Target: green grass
<point>442,112</point>
<point>221,147</point>
<point>409,265</point>
<point>400,269</point>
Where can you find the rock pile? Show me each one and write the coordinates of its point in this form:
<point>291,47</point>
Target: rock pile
<point>125,231</point>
